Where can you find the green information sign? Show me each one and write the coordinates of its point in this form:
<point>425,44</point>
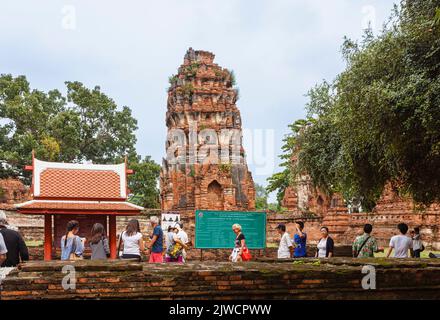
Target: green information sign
<point>214,229</point>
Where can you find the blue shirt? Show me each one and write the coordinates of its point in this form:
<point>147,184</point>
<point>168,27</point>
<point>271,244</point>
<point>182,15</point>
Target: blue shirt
<point>73,245</point>
<point>158,244</point>
<point>301,249</point>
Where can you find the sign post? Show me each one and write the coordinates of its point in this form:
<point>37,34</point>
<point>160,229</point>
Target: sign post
<point>214,229</point>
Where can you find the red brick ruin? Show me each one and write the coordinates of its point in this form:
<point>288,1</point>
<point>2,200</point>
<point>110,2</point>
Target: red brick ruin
<point>205,167</point>
<point>310,204</point>
<point>12,191</point>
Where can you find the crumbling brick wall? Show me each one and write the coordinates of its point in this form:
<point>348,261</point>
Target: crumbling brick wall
<point>336,278</point>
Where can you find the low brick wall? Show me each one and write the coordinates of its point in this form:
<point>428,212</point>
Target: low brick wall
<point>337,278</point>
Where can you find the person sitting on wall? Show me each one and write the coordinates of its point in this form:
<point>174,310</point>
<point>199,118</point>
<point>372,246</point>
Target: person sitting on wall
<point>99,243</point>
<point>17,249</point>
<point>400,243</point>
<point>72,246</point>
<point>365,246</point>
<point>285,249</point>
<point>325,246</point>
<point>300,240</point>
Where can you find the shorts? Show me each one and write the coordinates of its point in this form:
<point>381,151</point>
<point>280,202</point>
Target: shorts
<point>156,257</point>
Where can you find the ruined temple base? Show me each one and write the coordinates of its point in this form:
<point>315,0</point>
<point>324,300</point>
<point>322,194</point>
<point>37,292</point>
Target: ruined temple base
<point>331,279</point>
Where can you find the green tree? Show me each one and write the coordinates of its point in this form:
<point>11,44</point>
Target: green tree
<point>143,183</point>
<point>27,120</point>
<point>260,197</point>
<point>104,132</point>
<point>281,180</point>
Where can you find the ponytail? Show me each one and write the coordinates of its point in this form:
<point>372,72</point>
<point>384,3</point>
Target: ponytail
<point>65,237</point>
<point>72,224</point>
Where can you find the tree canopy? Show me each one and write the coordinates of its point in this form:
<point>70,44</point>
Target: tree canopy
<point>379,120</point>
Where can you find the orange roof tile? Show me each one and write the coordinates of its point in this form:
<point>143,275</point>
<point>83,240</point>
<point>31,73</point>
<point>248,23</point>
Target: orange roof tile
<point>79,183</point>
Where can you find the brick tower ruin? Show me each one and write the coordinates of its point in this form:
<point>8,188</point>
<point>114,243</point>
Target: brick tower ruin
<point>205,165</point>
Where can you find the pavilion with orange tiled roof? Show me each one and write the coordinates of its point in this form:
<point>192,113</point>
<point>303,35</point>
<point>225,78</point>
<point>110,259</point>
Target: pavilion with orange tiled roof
<point>88,193</point>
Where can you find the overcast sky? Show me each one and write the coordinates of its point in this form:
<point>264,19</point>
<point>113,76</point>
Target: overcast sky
<point>278,50</point>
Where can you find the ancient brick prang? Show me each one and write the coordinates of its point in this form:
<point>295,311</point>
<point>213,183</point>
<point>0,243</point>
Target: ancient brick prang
<point>303,197</point>
<point>205,166</point>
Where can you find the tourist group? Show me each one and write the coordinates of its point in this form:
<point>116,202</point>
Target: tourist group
<point>173,245</point>
<point>131,243</point>
<point>364,246</point>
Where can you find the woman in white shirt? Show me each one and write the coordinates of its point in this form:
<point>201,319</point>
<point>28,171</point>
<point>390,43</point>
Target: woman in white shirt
<point>325,245</point>
<point>131,241</point>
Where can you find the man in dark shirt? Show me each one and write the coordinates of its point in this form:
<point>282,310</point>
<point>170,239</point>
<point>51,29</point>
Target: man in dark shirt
<point>14,243</point>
